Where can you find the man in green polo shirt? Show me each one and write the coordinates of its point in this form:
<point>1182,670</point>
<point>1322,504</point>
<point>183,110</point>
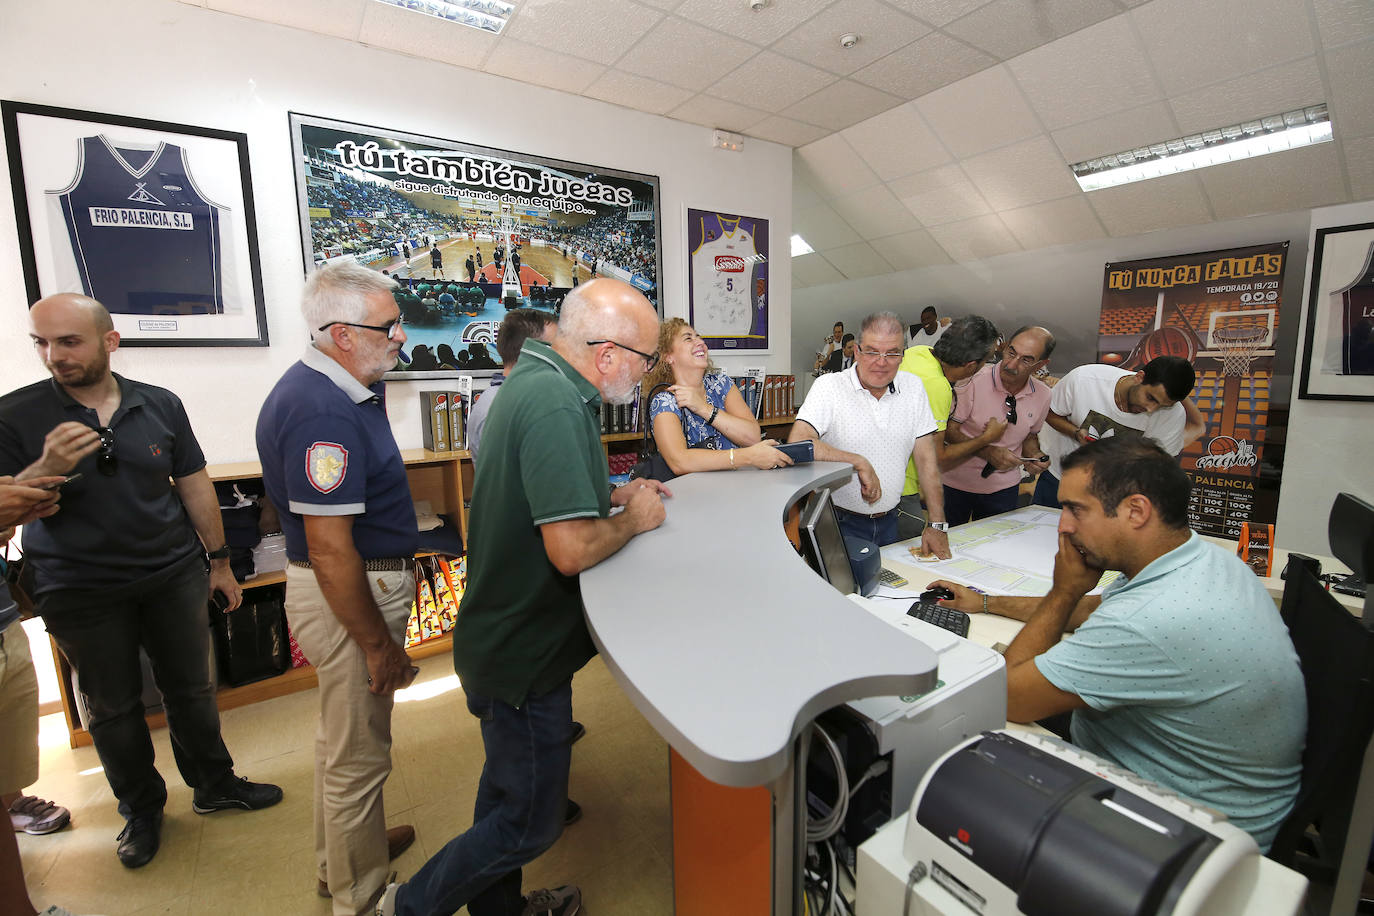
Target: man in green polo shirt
<point>962,349</point>
<point>540,516</point>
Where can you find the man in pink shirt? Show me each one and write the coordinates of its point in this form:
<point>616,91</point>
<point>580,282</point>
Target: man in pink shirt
<point>987,482</point>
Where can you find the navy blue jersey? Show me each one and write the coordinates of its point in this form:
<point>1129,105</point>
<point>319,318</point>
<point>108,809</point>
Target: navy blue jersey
<point>145,240</point>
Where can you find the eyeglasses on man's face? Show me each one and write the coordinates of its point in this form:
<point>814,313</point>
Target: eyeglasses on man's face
<point>392,331</point>
<point>650,359</point>
<point>1009,355</point>
<point>880,356</point>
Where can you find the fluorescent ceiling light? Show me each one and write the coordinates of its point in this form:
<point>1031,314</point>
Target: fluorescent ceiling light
<point>799,246</point>
<point>487,15</point>
<point>1274,134</point>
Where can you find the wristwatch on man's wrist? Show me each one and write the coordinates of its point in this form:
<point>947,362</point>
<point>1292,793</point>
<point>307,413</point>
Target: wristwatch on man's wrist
<point>939,526</point>
<point>220,554</point>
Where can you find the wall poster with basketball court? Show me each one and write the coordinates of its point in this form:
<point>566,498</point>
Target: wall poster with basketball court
<point>1220,311</point>
<point>468,232</point>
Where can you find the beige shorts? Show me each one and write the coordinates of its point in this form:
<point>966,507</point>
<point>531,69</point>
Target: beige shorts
<point>18,712</point>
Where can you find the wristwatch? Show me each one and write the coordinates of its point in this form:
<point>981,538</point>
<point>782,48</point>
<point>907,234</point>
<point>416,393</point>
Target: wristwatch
<point>938,526</point>
<point>220,554</point>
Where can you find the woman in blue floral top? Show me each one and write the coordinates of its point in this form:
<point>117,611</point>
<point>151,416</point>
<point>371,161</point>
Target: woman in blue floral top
<point>700,422</point>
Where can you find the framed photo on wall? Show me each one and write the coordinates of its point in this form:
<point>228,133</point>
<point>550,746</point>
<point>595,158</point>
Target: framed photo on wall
<point>1338,355</point>
<point>468,232</point>
<point>727,279</point>
<point>153,219</point>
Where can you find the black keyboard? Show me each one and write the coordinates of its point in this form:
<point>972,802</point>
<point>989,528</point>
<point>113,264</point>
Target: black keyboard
<point>935,613</point>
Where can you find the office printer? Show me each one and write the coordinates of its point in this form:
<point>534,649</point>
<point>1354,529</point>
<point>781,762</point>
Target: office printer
<point>1011,823</point>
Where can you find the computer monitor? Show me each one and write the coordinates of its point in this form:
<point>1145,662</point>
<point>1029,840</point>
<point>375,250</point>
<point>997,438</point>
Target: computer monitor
<point>823,545</point>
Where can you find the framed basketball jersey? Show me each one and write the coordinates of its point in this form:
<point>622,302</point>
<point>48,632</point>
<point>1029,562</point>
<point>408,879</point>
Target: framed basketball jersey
<point>727,284</point>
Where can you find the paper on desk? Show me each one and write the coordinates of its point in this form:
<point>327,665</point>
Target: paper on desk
<point>1011,554</point>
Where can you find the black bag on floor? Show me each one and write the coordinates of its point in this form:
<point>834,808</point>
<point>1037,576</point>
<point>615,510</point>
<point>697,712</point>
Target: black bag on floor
<point>251,642</point>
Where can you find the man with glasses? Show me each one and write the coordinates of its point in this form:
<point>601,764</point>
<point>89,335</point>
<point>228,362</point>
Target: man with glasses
<point>332,469</point>
<point>540,516</point>
<point>961,350</point>
<point>1002,397</point>
<point>876,419</point>
<point>122,566</point>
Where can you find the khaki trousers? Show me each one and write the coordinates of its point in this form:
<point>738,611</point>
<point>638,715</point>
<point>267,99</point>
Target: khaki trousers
<point>353,743</point>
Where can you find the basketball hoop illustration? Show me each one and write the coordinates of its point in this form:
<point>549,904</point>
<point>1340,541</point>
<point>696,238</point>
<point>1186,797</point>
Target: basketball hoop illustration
<point>1238,346</point>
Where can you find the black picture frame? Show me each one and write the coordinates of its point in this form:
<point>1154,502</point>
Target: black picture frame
<point>1342,279</point>
<point>108,205</point>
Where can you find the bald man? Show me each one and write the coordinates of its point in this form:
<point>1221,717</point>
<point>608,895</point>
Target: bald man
<point>540,516</point>
<point>123,565</point>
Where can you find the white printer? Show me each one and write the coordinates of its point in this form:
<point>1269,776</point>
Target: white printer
<point>1015,823</point>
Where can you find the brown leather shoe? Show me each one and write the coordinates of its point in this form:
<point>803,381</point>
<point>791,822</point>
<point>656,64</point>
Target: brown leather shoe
<point>398,840</point>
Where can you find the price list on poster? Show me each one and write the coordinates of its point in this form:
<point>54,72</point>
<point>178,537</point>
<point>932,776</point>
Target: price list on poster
<point>1219,504</point>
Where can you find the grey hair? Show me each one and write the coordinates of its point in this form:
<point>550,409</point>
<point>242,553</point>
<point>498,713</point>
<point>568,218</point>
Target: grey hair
<point>966,340</point>
<point>882,322</point>
<point>338,291</point>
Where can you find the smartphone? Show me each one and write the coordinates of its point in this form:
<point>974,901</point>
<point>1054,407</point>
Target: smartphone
<point>799,452</point>
<point>61,483</point>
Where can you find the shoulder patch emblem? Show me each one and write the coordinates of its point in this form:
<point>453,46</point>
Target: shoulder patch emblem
<point>326,463</point>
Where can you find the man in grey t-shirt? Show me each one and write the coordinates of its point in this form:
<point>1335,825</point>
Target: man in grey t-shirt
<point>518,326</point>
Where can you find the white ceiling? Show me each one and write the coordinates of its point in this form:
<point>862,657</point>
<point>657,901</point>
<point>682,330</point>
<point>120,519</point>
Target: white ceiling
<point>944,134</point>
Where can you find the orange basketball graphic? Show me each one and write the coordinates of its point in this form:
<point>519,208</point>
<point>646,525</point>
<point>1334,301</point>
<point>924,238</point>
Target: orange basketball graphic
<point>1222,445</point>
<point>1111,359</point>
<point>1169,341</point>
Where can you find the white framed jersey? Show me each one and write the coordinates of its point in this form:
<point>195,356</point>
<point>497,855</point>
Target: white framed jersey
<point>723,267</point>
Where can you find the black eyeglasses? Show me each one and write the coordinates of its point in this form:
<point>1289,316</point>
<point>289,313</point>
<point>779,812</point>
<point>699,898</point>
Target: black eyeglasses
<point>1011,409</point>
<point>105,460</point>
<point>650,359</point>
<point>390,330</point>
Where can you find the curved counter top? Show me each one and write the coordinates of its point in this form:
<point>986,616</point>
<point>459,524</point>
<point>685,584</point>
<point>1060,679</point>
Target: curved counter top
<point>725,639</point>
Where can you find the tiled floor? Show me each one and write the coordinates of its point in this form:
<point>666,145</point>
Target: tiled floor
<point>247,864</point>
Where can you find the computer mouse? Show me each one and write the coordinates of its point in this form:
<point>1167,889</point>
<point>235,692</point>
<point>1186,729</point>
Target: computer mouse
<point>935,593</point>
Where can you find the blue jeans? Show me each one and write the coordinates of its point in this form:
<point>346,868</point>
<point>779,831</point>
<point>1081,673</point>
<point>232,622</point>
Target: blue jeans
<point>521,801</point>
<point>1047,491</point>
<point>100,632</point>
<point>962,506</point>
<point>881,530</point>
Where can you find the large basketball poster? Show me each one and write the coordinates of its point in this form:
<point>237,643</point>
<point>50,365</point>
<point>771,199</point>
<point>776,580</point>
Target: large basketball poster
<point>1220,311</point>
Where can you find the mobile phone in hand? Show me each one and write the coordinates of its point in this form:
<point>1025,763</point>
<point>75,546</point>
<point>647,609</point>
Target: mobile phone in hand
<point>61,483</point>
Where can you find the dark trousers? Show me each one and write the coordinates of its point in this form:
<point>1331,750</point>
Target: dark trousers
<point>101,632</point>
<point>521,801</point>
<point>881,530</point>
<point>1047,491</point>
<point>962,506</point>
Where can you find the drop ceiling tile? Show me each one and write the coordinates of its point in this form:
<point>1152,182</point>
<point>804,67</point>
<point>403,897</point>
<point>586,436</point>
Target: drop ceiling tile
<point>1294,180</point>
<point>734,17</point>
<point>815,270</point>
<point>1160,203</point>
<point>949,204</point>
<point>925,65</point>
<point>771,82</point>
<point>341,18</point>
<point>938,12</point>
<point>972,239</point>
<point>859,260</point>
<point>1359,165</point>
<point>1026,173</point>
<point>1006,28</point>
<point>1351,71</point>
<point>874,212</point>
<point>832,167</point>
<point>1116,132</point>
<point>530,64</point>
<point>1281,88</point>
<point>636,92</point>
<point>1343,21</point>
<point>823,228</point>
<point>709,112</point>
<point>200,3</point>
<point>881,30</point>
<point>1196,44</point>
<point>1057,222</point>
<point>666,5</point>
<point>910,250</point>
<point>841,104</point>
<point>897,142</point>
<point>787,131</point>
<point>978,113</point>
<point>935,179</point>
<point>425,36</point>
<point>672,53</point>
<point>1094,72</point>
<point>602,31</point>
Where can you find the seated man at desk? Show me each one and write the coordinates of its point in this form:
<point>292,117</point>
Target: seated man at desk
<point>1182,672</point>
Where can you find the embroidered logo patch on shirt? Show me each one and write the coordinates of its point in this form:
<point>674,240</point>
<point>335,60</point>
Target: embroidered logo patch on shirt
<point>326,463</point>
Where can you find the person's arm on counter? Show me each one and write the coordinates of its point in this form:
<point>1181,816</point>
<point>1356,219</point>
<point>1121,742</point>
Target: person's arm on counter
<point>581,543</point>
<point>924,454</point>
<point>1011,606</point>
<point>869,488</point>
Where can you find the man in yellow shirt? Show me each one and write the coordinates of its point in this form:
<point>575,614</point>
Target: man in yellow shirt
<point>962,350</point>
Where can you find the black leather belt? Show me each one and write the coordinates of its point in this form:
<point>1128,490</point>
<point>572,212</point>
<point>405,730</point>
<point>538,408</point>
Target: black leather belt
<point>867,514</point>
<point>381,564</point>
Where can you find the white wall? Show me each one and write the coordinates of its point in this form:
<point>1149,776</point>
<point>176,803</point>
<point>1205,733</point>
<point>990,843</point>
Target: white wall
<point>167,61</point>
<point>1330,444</point>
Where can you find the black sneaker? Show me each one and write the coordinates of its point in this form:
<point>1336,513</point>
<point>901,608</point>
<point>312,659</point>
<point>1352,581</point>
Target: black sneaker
<point>139,840</point>
<point>578,730</point>
<point>573,813</point>
<point>560,901</point>
<point>235,792</point>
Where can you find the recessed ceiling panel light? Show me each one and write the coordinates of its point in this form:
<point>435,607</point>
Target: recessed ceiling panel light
<point>487,15</point>
<point>799,246</point>
<point>1274,134</point>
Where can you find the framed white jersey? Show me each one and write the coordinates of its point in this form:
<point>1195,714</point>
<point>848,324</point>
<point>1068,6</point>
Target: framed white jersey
<point>728,279</point>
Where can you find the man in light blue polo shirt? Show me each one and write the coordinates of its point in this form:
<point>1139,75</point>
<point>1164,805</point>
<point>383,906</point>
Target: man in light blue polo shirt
<point>1183,671</point>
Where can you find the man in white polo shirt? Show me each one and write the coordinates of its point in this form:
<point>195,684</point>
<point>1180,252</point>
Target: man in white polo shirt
<point>874,418</point>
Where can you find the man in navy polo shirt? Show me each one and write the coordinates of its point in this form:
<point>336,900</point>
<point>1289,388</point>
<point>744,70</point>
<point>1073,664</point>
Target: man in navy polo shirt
<point>122,566</point>
<point>331,467</point>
